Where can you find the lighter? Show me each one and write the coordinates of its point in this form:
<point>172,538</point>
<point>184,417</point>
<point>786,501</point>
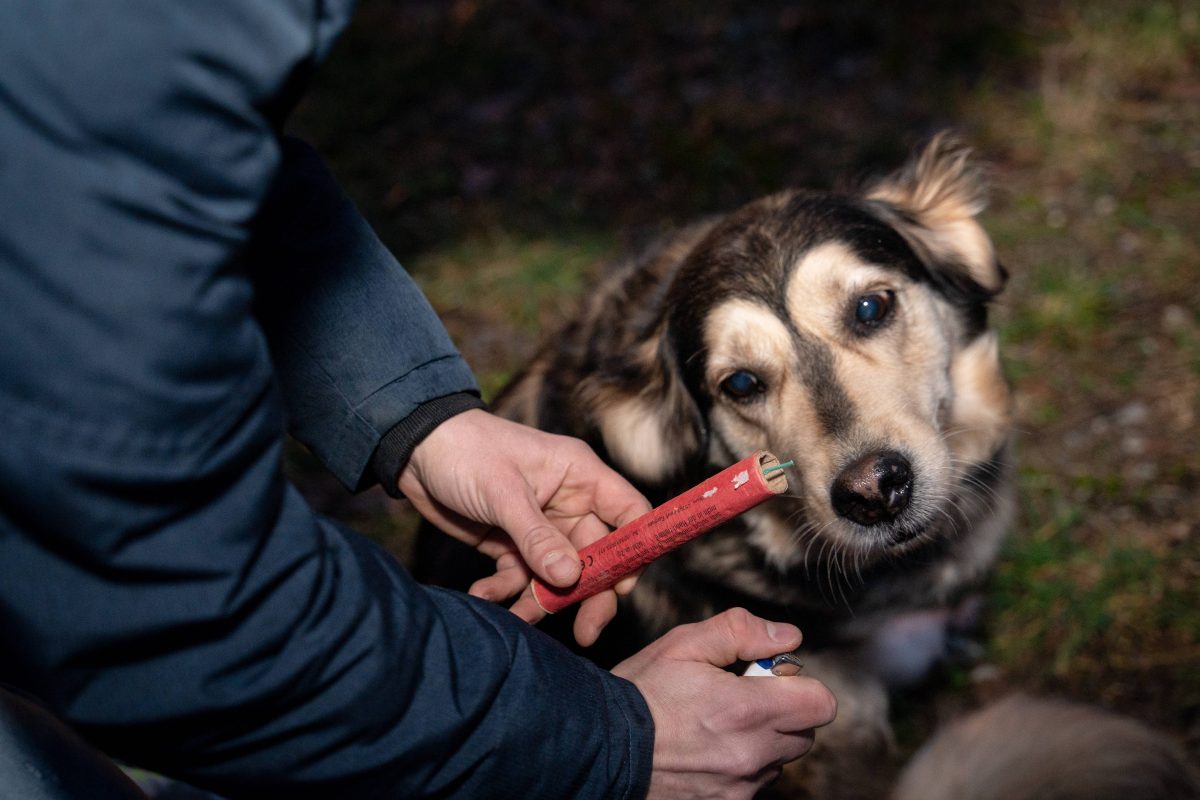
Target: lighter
<point>780,666</point>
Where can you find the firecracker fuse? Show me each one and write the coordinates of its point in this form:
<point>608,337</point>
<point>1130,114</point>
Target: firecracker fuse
<point>630,547</point>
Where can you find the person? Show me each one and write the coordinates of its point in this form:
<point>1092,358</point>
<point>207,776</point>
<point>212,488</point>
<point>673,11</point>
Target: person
<point>181,282</point>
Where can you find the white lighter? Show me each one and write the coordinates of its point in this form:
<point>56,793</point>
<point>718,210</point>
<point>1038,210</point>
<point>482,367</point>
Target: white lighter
<point>780,666</point>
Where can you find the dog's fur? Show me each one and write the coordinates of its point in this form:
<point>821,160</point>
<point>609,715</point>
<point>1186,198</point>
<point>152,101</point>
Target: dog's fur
<point>744,332</point>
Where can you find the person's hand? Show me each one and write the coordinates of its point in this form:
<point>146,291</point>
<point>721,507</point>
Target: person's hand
<point>525,498</point>
<point>718,734</point>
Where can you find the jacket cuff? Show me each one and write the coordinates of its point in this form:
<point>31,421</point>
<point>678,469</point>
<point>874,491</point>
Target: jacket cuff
<point>638,728</point>
<point>397,445</point>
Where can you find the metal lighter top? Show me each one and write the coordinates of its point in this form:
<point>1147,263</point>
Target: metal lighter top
<point>781,666</point>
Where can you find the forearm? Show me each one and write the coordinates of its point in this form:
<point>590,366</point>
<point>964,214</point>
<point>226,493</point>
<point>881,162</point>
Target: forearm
<point>357,347</point>
<point>250,646</point>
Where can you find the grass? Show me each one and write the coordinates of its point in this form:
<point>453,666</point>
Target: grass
<point>1097,595</point>
<point>506,282</point>
<point>1106,615</point>
<point>1060,598</point>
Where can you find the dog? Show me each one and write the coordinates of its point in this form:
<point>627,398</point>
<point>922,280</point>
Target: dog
<point>848,332</point>
<point>845,332</point>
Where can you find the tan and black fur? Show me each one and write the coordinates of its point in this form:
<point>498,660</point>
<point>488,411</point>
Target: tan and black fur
<point>848,332</point>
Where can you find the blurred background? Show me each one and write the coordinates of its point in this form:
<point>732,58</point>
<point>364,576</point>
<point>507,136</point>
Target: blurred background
<point>505,150</point>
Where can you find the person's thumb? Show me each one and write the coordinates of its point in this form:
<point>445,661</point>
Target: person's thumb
<point>733,635</point>
<point>545,549</point>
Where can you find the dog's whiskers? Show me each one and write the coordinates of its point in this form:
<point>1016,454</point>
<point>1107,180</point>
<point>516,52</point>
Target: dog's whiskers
<point>942,505</point>
<point>841,572</point>
<point>978,486</point>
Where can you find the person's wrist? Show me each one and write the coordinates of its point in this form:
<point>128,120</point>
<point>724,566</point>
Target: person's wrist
<point>399,445</point>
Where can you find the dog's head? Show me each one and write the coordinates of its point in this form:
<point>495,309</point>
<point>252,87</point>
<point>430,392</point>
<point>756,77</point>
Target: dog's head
<point>846,332</point>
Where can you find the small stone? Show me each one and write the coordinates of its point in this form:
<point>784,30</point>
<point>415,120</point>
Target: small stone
<point>1135,413</point>
<point>1133,445</point>
<point>1105,205</point>
<point>1175,319</point>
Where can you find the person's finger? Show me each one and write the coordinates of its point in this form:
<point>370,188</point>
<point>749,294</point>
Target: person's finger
<point>451,522</point>
<point>544,547</point>
<point>810,705</point>
<point>597,611</point>
<point>614,500</point>
<point>626,584</point>
<point>586,529</point>
<point>781,713</point>
<point>527,608</point>
<point>590,529</point>
<point>497,545</point>
<point>733,635</point>
<point>510,577</point>
<point>594,613</point>
<point>769,775</point>
<point>799,742</point>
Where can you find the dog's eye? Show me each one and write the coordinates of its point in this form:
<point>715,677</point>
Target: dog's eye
<point>872,309</point>
<point>742,385</point>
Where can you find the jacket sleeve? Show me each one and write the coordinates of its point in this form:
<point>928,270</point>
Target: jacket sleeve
<point>360,353</point>
<point>161,586</point>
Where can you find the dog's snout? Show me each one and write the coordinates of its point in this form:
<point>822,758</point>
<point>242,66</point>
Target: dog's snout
<point>874,489</point>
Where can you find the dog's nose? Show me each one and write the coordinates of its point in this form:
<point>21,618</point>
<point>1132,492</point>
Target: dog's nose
<point>874,489</point>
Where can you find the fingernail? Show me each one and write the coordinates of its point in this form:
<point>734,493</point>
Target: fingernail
<point>560,569</point>
<point>782,632</point>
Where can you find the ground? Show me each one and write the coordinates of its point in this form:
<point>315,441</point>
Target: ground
<point>505,150</point>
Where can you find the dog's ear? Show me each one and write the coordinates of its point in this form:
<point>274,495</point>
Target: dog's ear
<point>650,424</point>
<point>933,201</point>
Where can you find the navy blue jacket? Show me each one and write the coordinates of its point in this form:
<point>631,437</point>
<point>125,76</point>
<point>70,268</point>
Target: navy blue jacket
<point>177,280</point>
